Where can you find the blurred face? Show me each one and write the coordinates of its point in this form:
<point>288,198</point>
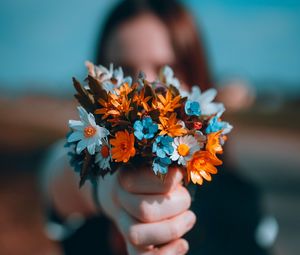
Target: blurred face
<point>142,43</point>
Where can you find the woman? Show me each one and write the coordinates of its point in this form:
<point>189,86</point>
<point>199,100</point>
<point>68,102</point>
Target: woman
<point>153,218</point>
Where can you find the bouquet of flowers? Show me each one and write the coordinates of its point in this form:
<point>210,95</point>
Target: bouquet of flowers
<point>125,122</point>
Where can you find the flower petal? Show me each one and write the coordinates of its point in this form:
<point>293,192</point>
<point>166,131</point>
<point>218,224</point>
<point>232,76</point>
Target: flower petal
<point>212,108</point>
<point>75,136</point>
<point>160,153</point>
<point>91,119</point>
<point>196,93</point>
<point>76,125</point>
<point>83,114</point>
<point>91,148</point>
<point>138,125</point>
<point>139,134</point>
<point>102,132</point>
<point>208,96</point>
<point>81,146</point>
<point>175,155</point>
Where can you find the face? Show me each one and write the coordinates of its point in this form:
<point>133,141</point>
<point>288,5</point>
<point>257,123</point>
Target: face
<point>142,43</point>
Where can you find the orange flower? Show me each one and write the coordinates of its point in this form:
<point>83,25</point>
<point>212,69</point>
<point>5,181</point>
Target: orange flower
<point>106,107</point>
<point>202,165</point>
<point>123,146</point>
<point>170,126</point>
<point>213,143</point>
<point>114,106</point>
<point>121,104</point>
<point>141,100</point>
<point>168,103</point>
<point>125,89</point>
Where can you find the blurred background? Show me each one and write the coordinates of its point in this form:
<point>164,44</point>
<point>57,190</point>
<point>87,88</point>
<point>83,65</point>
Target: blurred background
<point>254,52</point>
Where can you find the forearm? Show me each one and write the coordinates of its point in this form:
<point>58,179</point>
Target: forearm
<point>67,198</point>
<point>59,184</point>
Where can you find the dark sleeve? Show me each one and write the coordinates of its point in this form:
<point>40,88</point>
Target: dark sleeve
<point>228,211</point>
<point>91,237</point>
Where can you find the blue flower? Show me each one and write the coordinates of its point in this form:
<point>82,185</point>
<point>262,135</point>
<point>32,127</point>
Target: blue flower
<point>160,165</point>
<point>162,146</point>
<point>215,125</point>
<point>145,128</point>
<point>192,108</point>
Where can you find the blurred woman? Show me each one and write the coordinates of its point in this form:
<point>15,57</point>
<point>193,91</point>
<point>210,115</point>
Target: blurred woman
<point>139,214</point>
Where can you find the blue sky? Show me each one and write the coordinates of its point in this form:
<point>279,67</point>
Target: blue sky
<point>48,41</point>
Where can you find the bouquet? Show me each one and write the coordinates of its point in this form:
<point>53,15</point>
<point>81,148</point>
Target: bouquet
<point>125,122</point>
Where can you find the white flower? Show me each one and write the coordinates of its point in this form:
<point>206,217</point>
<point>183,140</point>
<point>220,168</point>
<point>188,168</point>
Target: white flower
<point>110,78</point>
<point>103,156</point>
<point>118,75</point>
<point>87,132</point>
<point>100,72</point>
<point>205,99</point>
<point>184,148</point>
<point>167,76</point>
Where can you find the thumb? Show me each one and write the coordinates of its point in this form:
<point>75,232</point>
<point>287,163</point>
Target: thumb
<point>143,180</point>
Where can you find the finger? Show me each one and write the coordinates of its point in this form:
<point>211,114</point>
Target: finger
<point>162,232</point>
<point>144,234</point>
<point>178,247</point>
<point>145,181</point>
<point>152,208</point>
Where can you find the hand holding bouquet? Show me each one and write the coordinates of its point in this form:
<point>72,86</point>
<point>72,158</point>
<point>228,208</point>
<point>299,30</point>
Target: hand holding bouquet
<point>145,130</point>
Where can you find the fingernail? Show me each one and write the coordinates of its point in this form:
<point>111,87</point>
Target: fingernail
<point>182,248</point>
<point>190,219</point>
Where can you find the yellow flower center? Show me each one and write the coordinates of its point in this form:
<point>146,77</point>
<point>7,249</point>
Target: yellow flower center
<point>104,151</point>
<point>183,150</point>
<point>89,131</point>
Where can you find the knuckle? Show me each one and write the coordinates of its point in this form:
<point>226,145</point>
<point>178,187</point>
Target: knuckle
<point>146,212</point>
<point>168,186</point>
<point>174,231</point>
<point>126,182</point>
<point>187,197</point>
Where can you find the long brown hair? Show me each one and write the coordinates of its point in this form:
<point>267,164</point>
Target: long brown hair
<point>191,61</point>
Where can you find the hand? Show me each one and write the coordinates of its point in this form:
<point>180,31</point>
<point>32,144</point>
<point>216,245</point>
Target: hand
<point>151,215</point>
